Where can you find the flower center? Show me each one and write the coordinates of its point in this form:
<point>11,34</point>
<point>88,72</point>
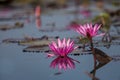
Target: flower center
<point>62,56</point>
<point>88,34</point>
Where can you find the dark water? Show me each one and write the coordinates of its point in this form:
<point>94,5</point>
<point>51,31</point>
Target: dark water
<point>18,65</point>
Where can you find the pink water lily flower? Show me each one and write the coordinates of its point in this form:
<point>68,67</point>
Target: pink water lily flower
<point>89,30</point>
<point>37,11</point>
<point>62,47</point>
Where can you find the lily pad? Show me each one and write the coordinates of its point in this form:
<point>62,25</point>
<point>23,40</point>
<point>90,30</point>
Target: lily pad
<point>38,48</point>
<point>8,27</point>
<point>34,42</point>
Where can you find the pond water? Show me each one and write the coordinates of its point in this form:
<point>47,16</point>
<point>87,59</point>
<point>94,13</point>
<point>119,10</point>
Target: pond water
<point>18,65</point>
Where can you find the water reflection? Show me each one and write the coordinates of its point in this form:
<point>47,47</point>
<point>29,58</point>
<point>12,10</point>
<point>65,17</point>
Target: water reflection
<point>91,76</point>
<point>102,59</point>
<point>63,63</point>
<point>38,23</point>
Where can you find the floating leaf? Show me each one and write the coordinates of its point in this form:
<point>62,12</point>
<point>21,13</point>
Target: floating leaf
<point>116,57</point>
<point>34,42</point>
<point>41,48</point>
<point>12,40</point>
<point>80,52</point>
<point>8,27</point>
<point>28,40</point>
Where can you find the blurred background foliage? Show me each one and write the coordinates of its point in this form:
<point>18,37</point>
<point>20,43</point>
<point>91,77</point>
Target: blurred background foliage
<point>53,3</point>
<point>31,2</point>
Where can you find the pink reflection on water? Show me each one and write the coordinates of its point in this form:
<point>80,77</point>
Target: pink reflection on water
<point>38,23</point>
<point>63,63</point>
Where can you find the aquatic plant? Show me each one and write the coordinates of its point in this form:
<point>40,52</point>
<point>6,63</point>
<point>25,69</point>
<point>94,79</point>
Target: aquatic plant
<point>88,30</point>
<point>61,49</point>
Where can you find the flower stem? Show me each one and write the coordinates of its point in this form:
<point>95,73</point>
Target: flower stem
<point>94,55</point>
